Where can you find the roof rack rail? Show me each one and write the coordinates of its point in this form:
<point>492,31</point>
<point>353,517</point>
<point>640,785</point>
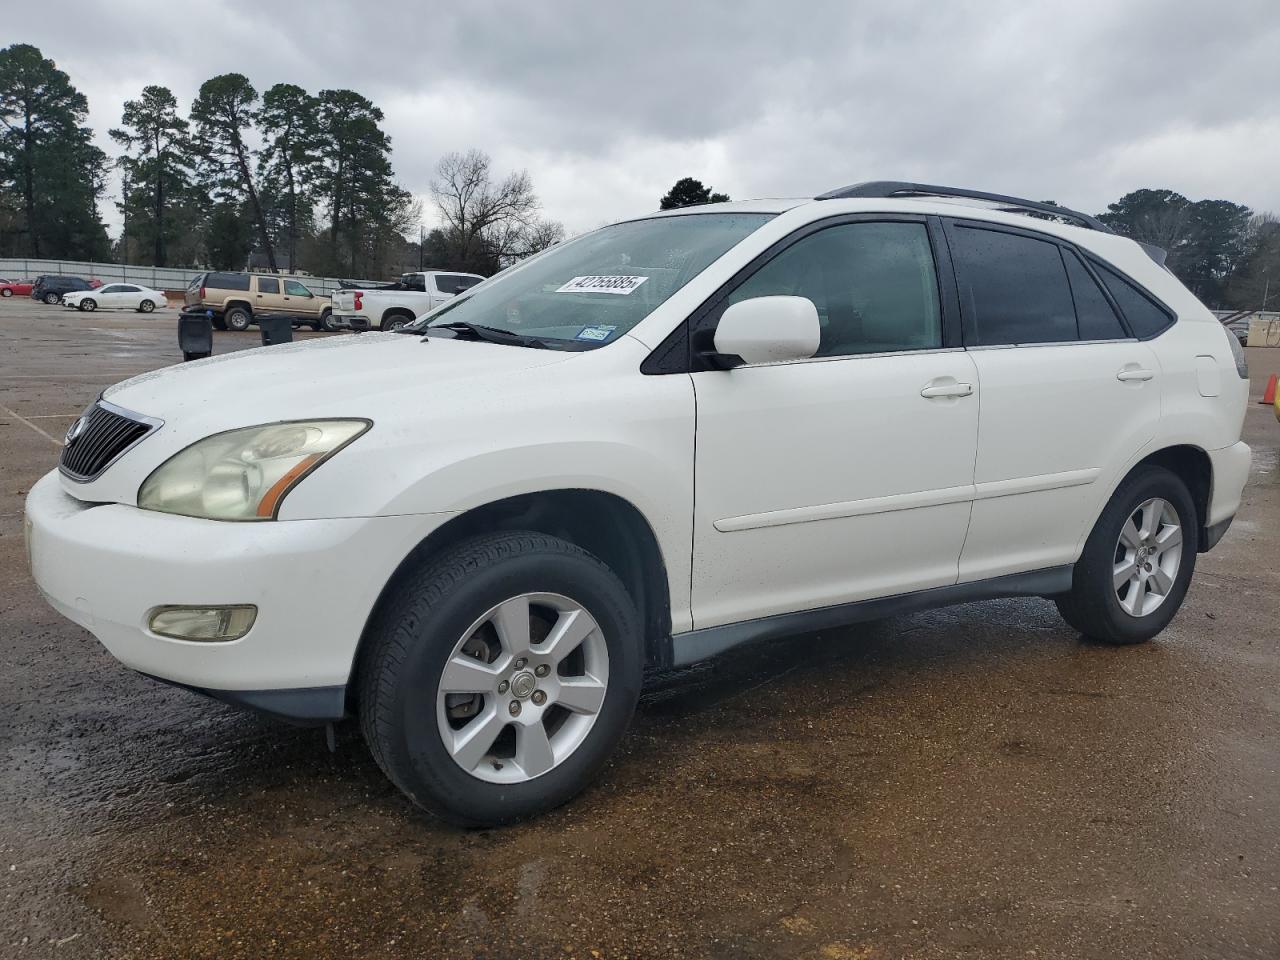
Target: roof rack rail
<point>897,188</point>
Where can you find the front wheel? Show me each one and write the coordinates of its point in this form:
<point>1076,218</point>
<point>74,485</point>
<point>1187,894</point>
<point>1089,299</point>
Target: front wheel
<point>500,677</point>
<point>1136,565</point>
<point>87,305</point>
<point>6,293</point>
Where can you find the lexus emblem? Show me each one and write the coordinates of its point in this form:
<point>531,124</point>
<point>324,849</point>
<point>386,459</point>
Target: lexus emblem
<point>73,434</point>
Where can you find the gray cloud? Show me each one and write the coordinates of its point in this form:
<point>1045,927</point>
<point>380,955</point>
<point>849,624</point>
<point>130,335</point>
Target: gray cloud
<point>606,105</point>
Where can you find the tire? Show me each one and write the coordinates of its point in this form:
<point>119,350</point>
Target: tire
<point>219,323</point>
<point>88,305</point>
<point>326,322</point>
<point>238,319</point>
<point>51,298</point>
<point>394,321</point>
<point>6,293</point>
<point>432,611</point>
<point>146,306</point>
<point>1096,605</point>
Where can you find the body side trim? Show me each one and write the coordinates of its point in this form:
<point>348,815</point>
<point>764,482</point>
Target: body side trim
<point>909,501</point>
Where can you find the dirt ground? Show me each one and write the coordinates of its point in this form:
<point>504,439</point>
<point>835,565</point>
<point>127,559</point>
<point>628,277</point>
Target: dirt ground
<point>971,782</point>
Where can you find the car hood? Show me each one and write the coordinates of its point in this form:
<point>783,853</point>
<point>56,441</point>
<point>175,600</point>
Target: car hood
<point>372,376</point>
<point>345,376</point>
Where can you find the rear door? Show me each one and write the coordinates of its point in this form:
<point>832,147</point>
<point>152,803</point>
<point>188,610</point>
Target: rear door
<point>1068,396</point>
<point>268,297</point>
<point>125,295</point>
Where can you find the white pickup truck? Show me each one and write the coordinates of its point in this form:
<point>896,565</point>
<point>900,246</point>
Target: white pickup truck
<point>391,306</point>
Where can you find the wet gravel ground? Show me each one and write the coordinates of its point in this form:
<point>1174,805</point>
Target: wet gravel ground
<point>971,782</point>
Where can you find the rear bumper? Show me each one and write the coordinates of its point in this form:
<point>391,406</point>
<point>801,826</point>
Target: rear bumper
<point>1230,472</point>
<point>352,321</point>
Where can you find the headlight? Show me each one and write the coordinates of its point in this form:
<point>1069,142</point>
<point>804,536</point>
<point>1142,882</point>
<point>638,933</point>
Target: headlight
<point>244,474</point>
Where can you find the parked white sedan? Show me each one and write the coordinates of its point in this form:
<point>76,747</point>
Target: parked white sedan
<point>117,296</point>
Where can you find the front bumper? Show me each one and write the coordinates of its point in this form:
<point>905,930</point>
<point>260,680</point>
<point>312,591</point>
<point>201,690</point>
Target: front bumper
<point>314,582</point>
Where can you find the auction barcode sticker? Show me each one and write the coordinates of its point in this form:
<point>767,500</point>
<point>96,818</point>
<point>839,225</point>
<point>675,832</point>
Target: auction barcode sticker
<point>622,285</point>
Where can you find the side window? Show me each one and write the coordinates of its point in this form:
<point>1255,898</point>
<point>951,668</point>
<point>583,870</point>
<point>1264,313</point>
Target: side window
<point>414,282</point>
<point>268,285</point>
<point>1145,318</point>
<point>111,288</point>
<point>1013,288</point>
<point>1096,319</point>
<point>451,282</point>
<point>125,288</point>
<point>874,285</point>
<point>295,289</point>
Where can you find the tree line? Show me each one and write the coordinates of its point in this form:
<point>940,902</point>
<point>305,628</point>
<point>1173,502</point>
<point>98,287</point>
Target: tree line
<point>304,181</point>
<point>298,180</point>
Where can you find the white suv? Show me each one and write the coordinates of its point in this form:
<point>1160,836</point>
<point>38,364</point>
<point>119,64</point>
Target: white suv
<point>646,446</point>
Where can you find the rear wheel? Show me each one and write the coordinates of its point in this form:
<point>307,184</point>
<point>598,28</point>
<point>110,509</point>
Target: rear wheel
<point>51,298</point>
<point>146,306</point>
<point>326,321</point>
<point>6,293</point>
<point>88,305</point>
<point>1137,563</point>
<point>238,319</point>
<point>500,677</point>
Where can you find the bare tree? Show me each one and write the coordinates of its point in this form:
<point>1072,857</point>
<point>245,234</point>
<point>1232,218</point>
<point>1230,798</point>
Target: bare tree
<point>487,220</point>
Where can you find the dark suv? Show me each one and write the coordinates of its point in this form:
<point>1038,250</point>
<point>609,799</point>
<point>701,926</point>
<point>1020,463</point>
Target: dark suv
<point>50,289</point>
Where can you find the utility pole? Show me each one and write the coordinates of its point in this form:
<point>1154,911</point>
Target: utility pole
<point>422,242</point>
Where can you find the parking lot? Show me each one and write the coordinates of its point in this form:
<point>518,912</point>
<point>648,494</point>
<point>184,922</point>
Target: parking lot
<point>976,781</point>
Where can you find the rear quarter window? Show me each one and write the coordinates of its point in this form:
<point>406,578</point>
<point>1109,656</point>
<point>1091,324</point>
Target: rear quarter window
<point>1146,318</point>
<point>228,281</point>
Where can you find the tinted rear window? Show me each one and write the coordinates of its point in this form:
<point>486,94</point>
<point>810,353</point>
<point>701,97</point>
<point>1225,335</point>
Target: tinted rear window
<point>454,283</point>
<point>1145,317</point>
<point>227,281</point>
<point>1093,313</point>
<point>1014,288</point>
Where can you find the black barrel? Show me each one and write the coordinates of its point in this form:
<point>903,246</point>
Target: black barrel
<point>275,330</point>
<point>195,335</point>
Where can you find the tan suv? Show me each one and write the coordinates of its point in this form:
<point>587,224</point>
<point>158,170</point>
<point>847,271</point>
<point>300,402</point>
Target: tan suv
<point>236,299</point>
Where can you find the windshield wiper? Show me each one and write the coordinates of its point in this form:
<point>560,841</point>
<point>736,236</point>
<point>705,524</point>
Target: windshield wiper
<point>481,332</point>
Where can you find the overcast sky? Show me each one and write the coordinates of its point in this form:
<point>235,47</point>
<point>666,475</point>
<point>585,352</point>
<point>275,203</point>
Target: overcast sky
<point>607,104</point>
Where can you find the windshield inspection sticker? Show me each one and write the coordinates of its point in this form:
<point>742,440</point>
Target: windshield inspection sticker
<point>595,333</point>
<point>622,285</point>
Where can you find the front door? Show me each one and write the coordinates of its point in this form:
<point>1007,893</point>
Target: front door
<point>298,299</point>
<point>1069,398</point>
<point>846,476</point>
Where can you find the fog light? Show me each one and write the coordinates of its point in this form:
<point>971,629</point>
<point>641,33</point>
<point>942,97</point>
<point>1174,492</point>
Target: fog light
<point>203,623</point>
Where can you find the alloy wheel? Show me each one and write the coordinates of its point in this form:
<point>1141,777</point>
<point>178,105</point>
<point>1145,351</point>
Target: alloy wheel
<point>1148,556</point>
<point>522,688</point>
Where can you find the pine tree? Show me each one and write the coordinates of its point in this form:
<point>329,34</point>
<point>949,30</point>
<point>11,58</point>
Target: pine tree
<point>287,166</point>
<point>157,168</point>
<point>222,113</point>
<point>51,174</point>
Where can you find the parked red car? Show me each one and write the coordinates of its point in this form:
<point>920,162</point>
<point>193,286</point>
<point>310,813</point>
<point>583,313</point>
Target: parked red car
<point>16,288</point>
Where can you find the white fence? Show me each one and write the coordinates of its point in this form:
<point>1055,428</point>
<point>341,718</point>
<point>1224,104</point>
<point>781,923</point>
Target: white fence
<point>161,278</point>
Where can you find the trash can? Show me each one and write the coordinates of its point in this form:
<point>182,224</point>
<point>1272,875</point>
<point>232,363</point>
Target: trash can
<point>275,330</point>
<point>195,335</point>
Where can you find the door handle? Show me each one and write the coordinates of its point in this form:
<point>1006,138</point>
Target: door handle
<point>1135,373</point>
<point>933,390</point>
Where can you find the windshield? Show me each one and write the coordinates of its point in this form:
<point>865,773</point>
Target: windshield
<point>594,289</point>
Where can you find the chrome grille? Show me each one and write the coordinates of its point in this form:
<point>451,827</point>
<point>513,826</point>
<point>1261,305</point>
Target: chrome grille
<point>105,432</point>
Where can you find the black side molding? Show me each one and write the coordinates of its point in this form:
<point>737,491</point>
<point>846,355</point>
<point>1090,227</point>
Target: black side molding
<point>304,706</point>
<point>711,641</point>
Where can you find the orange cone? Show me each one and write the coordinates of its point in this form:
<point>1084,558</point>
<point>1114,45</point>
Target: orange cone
<point>1269,394</point>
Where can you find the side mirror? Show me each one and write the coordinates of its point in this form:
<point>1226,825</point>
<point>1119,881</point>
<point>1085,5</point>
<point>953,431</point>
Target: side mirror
<point>766,330</point>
